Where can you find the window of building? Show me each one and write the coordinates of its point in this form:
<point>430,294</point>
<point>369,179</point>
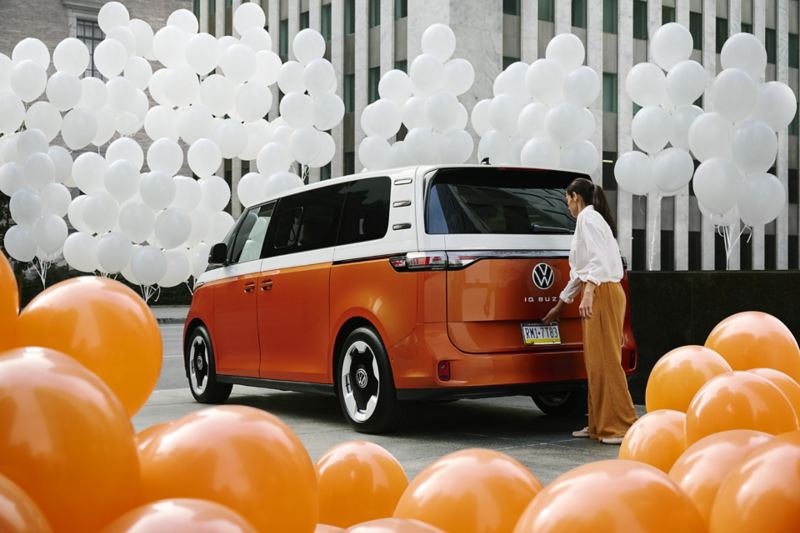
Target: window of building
<point>349,93</point>
<point>283,42</point>
<point>610,16</point>
<point>349,17</point>
<point>696,29</point>
<point>609,181</point>
<point>667,14</point>
<point>547,10</point>
<point>325,172</point>
<point>794,193</point>
<point>228,17</point>
<point>722,33</point>
<point>374,79</point>
<point>793,252</point>
<point>747,27</point>
<point>401,65</point>
<point>90,33</point>
<point>609,92</point>
<point>793,125</point>
<point>794,44</point>
<point>639,20</point>
<point>349,163</point>
<point>579,13</point>
<point>771,43</point>
<point>305,21</point>
<point>400,9</point>
<point>365,216</point>
<point>635,107</point>
<point>508,61</point>
<point>511,7</point>
<point>374,13</point>
<point>326,22</point>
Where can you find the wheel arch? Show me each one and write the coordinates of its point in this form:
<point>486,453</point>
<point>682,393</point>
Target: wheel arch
<point>350,325</point>
<point>190,327</point>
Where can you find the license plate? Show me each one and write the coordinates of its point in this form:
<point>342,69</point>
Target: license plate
<point>539,334</point>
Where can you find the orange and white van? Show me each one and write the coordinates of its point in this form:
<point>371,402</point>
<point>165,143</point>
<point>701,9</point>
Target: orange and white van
<point>412,284</point>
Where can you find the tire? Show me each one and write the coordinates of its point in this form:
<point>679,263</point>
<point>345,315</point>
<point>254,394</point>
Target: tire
<point>364,383</point>
<point>201,369</point>
<point>562,403</point>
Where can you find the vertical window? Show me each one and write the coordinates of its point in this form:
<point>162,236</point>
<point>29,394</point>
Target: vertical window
<point>349,17</point>
<point>609,181</point>
<point>696,29</point>
<point>212,17</point>
<point>609,92</point>
<point>400,9</point>
<point>547,10</point>
<point>326,22</point>
<point>579,13</point>
<point>401,65</point>
<point>667,14</point>
<point>794,44</point>
<point>349,93</point>
<point>325,172</point>
<point>511,7</point>
<point>722,33</point>
<point>305,20</point>
<point>228,17</point>
<point>249,241</point>
<point>365,216</point>
<point>374,79</point>
<point>90,33</point>
<point>747,27</point>
<point>610,16</point>
<point>349,163</point>
<point>283,42</point>
<point>639,20</point>
<point>771,42</point>
<point>508,61</point>
<point>374,13</point>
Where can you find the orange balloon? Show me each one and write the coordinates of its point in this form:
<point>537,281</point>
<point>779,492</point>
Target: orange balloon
<point>609,497</point>
<point>18,513</point>
<point>182,515</point>
<point>762,492</point>
<point>739,400</point>
<point>66,440</point>
<point>471,490</point>
<point>240,457</point>
<point>104,325</point>
<point>358,481</point>
<point>657,439</point>
<point>706,463</point>
<point>786,384</point>
<point>325,528</point>
<point>394,525</point>
<point>756,340</point>
<point>9,303</point>
<point>679,374</point>
<point>148,435</point>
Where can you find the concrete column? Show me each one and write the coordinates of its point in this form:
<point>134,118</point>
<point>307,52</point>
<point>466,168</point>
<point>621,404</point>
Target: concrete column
<point>273,27</point>
<point>387,36</point>
<point>203,16</point>
<point>423,13</point>
<point>759,28</point>
<point>219,19</point>
<point>734,27</point>
<point>710,63</point>
<point>529,30</point>
<point>337,58</point>
<point>563,16</point>
<point>782,167</point>
<point>594,59</point>
<point>681,219</point>
<point>294,24</point>
<point>624,112</point>
<point>315,15</point>
<point>362,72</point>
<point>653,229</point>
<point>235,4</point>
<point>236,163</point>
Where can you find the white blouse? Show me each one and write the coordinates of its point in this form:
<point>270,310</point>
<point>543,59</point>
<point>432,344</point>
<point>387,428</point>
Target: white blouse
<point>594,256</point>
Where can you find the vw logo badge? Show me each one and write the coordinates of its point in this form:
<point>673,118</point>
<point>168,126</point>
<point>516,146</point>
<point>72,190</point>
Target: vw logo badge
<point>361,378</point>
<point>543,276</point>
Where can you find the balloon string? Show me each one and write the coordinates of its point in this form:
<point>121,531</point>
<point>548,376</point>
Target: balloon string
<point>654,229</point>
<point>190,288</point>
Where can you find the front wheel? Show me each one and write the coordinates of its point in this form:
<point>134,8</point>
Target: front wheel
<point>364,383</point>
<point>201,370</point>
<point>562,403</point>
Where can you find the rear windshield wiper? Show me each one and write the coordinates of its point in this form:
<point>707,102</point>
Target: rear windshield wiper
<point>536,228</point>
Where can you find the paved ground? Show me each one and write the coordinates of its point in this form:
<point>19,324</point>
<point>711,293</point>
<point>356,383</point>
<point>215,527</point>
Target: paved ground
<point>512,425</point>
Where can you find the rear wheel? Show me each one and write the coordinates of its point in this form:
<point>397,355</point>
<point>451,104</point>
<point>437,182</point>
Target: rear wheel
<point>364,383</point>
<point>201,370</point>
<point>562,403</point>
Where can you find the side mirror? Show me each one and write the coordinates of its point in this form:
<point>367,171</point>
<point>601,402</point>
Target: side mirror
<point>218,255</point>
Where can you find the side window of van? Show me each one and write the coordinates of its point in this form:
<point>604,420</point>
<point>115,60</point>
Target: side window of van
<point>250,236</point>
<point>307,221</point>
<point>366,211</point>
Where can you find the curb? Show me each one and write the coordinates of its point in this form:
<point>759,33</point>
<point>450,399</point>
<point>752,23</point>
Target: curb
<point>170,320</point>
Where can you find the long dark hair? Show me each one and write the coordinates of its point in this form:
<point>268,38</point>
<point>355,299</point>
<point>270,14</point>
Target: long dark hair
<point>593,195</point>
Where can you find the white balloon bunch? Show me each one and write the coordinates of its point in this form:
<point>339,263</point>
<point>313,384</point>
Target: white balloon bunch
<point>539,115</point>
<point>426,102</point>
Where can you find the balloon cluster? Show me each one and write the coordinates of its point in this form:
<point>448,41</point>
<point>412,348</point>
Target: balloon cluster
<point>539,115</point>
<point>69,459</point>
<point>426,102</point>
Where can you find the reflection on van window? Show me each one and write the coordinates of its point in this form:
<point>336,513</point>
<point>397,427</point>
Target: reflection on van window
<point>307,221</point>
<point>501,201</point>
<point>250,236</point>
<point>288,228</point>
<point>366,211</point>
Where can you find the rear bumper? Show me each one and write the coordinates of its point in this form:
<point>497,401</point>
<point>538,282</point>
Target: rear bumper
<point>491,391</point>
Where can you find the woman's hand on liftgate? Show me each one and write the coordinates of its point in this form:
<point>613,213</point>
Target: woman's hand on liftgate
<point>554,314</point>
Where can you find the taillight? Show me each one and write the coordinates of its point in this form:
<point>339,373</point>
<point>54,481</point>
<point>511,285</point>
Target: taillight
<point>443,370</point>
<point>419,261</point>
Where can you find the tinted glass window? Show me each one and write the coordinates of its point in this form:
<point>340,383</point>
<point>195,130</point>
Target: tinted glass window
<point>366,212</point>
<point>307,221</point>
<point>498,201</point>
<point>250,235</point>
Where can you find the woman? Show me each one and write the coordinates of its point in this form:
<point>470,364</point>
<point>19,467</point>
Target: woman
<point>596,270</point>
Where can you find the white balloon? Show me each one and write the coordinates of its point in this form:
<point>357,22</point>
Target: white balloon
<point>55,200</point>
<point>125,36</point>
<point>457,147</point>
<point>20,243</point>
<point>185,20</point>
<point>136,221</point>
<point>461,120</point>
<point>716,184</point>
<point>100,212</point>
<point>581,156</point>
<point>112,15</point>
<point>744,51</point>
<point>563,124</point>
<point>80,252</point>
<point>169,46</point>
<point>226,41</point>
<point>728,219</point>
<point>319,77</point>
<point>258,135</point>
<point>162,122</point>
<point>204,157</point>
<point>541,152</point>
<point>297,110</point>
<point>31,142</point>
<point>71,56</point>
<point>671,44</point>
<point>158,87</point>
<point>251,189</point>
<point>761,199</point>
<point>504,113</point>
<point>139,72</point>
<point>121,93</point>
<point>253,101</point>
<point>182,87</point>
<point>144,38</point>
<point>582,86</point>
<point>272,159</point>
<point>203,53</point>
<point>328,111</point>
<point>194,123</point>
<point>327,149</point>
<point>11,178</point>
<point>157,190</point>
<point>75,214</point>
<point>217,94</point>
<point>685,82</point>
<point>734,94</point>
<point>754,147</point>
<point>282,182</point>
<point>647,85</point>
<point>165,156</point>
<point>423,146</point>
<point>173,227</point>
<point>427,75</point>
<point>304,145</point>
<point>122,180</point>
<point>776,105</point>
<point>178,269</point>
<point>459,76</point>
<point>269,67</point>
<point>634,173</point>
<point>50,232</point>
<point>148,265</point>
<point>12,113</point>
<point>6,66</point>
<point>25,206</point>
<point>308,45</point>
<point>216,193</point>
<point>413,113</point>
<point>439,41</point>
<point>495,146</point>
<point>238,63</point>
<point>110,58</point>
<point>682,120</point>
<point>39,171</point>
<point>545,81</point>
<point>587,125</point>
<point>396,86</point>
<point>78,128</point>
<point>220,223</point>
<point>258,39</point>
<point>398,156</point>
<point>62,161</point>
<point>110,122</point>
<point>89,171</point>
<point>201,222</point>
<point>442,110</point>
<point>248,16</point>
<point>672,170</point>
<point>567,50</point>
<point>231,137</point>
<point>94,94</point>
<point>28,80</point>
<point>710,136</point>
<point>290,77</point>
<point>64,90</point>
<point>31,49</point>
<point>127,150</point>
<point>188,193</point>
<point>382,119</point>
<point>512,81</point>
<point>651,128</point>
<point>114,251</point>
<point>373,152</point>
<point>198,256</point>
<point>45,117</point>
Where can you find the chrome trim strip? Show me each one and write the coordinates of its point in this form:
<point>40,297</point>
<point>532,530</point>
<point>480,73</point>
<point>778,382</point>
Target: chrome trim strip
<point>402,203</point>
<point>511,254</point>
<point>403,181</point>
